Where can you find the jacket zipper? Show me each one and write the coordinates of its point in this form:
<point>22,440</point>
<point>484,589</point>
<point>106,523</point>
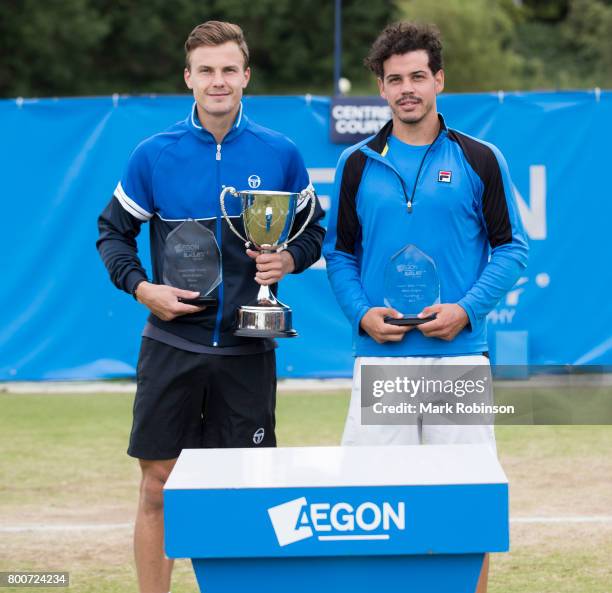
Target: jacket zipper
<point>410,200</point>
<point>416,181</point>
<point>218,228</point>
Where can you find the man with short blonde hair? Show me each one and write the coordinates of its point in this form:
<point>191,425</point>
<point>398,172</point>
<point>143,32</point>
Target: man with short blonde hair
<point>214,33</point>
<point>199,385</point>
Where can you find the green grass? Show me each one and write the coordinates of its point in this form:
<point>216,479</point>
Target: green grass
<point>60,446</point>
<point>583,568</point>
<point>62,455</point>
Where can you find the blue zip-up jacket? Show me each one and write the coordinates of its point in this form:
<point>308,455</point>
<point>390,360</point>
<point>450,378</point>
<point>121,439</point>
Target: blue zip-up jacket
<point>469,226</point>
<point>179,174</point>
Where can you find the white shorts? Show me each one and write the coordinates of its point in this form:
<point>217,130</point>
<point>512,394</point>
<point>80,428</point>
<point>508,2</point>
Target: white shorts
<point>412,434</point>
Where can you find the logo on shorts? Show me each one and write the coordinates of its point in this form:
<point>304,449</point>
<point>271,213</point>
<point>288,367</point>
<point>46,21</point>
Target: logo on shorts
<point>258,435</point>
<point>254,181</point>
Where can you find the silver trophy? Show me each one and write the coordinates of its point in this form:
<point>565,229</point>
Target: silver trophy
<point>267,217</point>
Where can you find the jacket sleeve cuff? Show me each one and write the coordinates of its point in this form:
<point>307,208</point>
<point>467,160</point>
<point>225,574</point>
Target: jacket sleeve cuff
<point>298,258</point>
<point>134,278</point>
<point>357,319</point>
<point>473,321</point>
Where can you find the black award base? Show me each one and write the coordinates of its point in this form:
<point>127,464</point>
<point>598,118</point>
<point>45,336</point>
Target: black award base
<point>201,301</point>
<point>409,320</point>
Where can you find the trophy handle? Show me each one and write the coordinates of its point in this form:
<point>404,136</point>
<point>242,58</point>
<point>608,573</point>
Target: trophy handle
<point>230,190</point>
<point>305,194</point>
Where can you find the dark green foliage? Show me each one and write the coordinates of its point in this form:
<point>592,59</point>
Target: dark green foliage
<point>503,44</point>
<point>576,52</point>
<point>86,47</point>
<point>551,11</point>
<point>49,47</point>
<point>74,47</point>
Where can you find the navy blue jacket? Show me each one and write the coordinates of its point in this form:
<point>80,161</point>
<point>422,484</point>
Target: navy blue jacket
<point>179,174</point>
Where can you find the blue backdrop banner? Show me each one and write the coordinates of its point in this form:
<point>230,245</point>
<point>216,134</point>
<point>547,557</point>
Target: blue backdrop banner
<point>60,317</point>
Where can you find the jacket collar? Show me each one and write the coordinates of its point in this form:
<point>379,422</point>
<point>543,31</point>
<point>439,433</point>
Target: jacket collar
<point>194,124</point>
<point>379,142</point>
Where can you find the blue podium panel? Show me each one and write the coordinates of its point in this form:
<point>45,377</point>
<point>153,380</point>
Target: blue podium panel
<point>342,574</point>
<point>406,518</point>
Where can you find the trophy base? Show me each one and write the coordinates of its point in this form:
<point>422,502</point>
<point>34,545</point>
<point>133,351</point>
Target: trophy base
<point>257,321</point>
<point>201,301</point>
<point>409,320</point>
<point>263,333</point>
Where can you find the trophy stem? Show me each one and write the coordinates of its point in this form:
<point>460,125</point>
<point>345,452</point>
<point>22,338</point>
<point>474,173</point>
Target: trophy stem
<point>266,298</point>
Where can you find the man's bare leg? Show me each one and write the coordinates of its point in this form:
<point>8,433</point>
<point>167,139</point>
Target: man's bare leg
<point>153,568</point>
<point>481,587</point>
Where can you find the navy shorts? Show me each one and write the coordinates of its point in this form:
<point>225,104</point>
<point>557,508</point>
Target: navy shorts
<point>186,400</point>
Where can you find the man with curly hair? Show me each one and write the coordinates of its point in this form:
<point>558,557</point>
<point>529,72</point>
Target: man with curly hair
<point>420,183</point>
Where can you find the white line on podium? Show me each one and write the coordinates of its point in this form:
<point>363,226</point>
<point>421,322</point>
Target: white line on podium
<point>333,538</point>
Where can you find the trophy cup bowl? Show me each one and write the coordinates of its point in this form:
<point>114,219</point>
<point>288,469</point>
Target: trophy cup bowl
<point>267,217</point>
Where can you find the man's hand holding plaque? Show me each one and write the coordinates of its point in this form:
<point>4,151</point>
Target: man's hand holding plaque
<point>449,320</point>
<point>166,302</point>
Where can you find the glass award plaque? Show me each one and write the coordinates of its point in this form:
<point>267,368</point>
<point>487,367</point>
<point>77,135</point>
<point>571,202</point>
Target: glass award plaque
<point>192,261</point>
<point>411,283</point>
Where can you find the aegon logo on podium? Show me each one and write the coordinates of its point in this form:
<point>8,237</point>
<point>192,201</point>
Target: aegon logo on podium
<point>296,520</point>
